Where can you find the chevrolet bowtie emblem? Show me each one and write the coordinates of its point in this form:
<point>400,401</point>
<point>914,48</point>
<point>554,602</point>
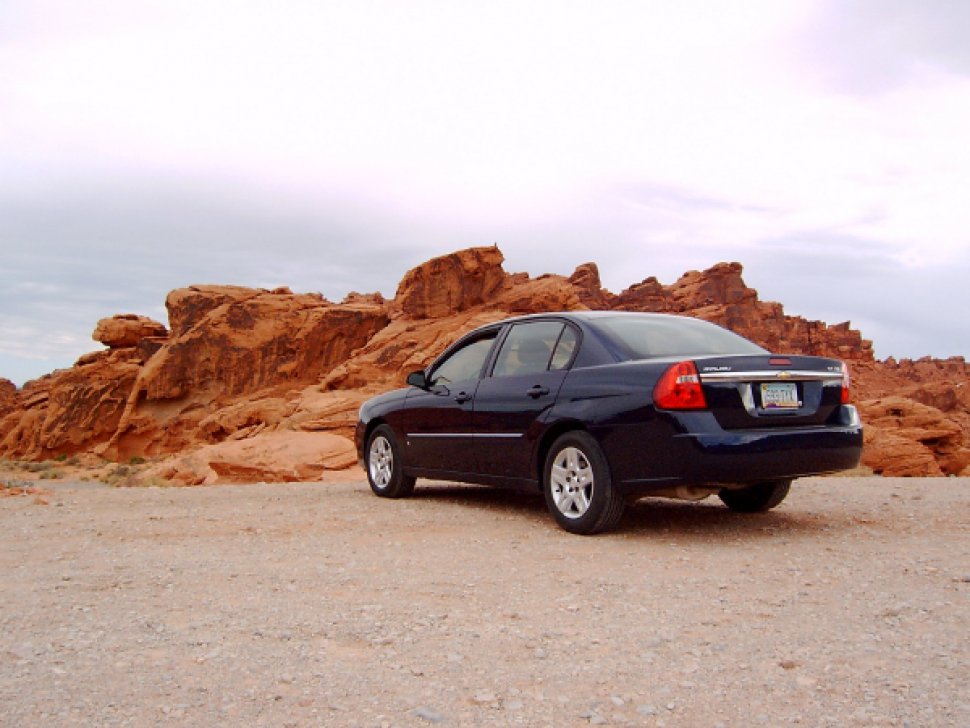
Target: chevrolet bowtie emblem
<point>784,375</point>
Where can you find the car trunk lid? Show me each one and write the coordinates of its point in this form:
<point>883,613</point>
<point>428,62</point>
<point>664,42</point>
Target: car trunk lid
<point>770,390</point>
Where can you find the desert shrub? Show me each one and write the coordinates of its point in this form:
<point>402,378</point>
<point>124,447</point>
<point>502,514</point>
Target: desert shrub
<point>136,460</point>
<point>154,481</point>
<point>118,475</point>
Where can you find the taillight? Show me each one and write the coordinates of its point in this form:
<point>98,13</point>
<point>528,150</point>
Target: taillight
<point>845,384</point>
<point>679,388</point>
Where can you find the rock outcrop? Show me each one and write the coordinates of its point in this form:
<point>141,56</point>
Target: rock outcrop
<point>450,284</point>
<point>720,295</point>
<point>268,457</point>
<point>8,397</point>
<point>252,384</point>
<point>905,437</point>
<point>127,330</point>
<point>231,344</point>
<point>72,410</point>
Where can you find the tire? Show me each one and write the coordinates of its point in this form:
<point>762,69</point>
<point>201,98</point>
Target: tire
<point>578,486</point>
<point>756,498</point>
<point>385,466</point>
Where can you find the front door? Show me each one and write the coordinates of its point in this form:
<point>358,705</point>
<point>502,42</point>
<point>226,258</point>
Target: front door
<point>438,421</point>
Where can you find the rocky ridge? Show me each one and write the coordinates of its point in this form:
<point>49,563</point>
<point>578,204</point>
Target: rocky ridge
<point>252,384</point>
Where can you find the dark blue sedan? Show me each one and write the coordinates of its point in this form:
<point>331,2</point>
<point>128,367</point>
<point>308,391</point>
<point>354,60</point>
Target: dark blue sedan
<point>598,408</point>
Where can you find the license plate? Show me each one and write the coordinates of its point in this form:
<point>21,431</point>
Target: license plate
<point>779,395</point>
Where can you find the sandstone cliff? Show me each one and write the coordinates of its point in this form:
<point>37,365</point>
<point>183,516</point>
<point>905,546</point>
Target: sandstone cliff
<point>251,384</point>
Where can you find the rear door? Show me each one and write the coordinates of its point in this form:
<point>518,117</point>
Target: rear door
<point>524,381</point>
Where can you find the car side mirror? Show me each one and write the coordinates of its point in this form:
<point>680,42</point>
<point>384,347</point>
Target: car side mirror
<point>418,379</point>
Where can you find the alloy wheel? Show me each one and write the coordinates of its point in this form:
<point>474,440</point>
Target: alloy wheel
<point>381,462</point>
<point>572,482</point>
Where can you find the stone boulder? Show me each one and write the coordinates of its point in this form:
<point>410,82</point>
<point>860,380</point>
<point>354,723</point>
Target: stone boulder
<point>890,453</point>
<point>589,290</point>
<point>126,330</point>
<point>268,457</point>
<point>450,283</point>
<point>905,437</point>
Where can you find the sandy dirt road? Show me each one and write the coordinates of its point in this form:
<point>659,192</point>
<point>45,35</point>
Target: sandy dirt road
<point>319,604</point>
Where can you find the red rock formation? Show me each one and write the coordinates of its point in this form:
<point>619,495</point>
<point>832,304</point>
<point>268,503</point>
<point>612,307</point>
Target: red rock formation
<point>269,457</point>
<point>8,397</point>
<point>904,437</point>
<point>231,343</point>
<point>71,410</point>
<point>245,370</point>
<point>720,295</point>
<point>413,339</point>
<point>127,330</point>
<point>450,284</point>
<point>586,280</point>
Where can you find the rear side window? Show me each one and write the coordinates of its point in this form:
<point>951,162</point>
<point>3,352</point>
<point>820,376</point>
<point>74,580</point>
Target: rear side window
<point>528,348</point>
<point>648,338</point>
<point>565,348</point>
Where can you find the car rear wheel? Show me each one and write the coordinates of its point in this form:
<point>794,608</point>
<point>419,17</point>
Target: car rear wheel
<point>385,471</point>
<point>578,487</point>
<point>755,498</point>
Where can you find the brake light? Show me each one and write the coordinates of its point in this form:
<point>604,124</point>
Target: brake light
<point>679,388</point>
<point>845,384</point>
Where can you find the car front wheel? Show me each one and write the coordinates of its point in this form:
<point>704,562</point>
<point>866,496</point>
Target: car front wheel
<point>755,498</point>
<point>385,467</point>
<point>578,487</point>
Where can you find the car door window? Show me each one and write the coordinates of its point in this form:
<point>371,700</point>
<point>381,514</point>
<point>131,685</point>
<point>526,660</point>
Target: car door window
<point>527,348</point>
<point>564,348</point>
<point>465,363</point>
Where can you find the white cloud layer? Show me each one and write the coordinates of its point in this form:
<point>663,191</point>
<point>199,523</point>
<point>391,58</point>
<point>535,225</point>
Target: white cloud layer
<point>329,146</point>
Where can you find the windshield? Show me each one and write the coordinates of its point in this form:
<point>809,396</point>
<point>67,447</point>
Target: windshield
<point>655,337</point>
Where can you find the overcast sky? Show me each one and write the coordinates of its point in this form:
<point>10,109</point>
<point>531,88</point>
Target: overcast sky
<point>330,146</point>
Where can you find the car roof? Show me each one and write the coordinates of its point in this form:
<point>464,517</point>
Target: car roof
<point>589,316</point>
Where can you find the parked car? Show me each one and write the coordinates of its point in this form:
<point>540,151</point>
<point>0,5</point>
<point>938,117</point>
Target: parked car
<point>597,408</point>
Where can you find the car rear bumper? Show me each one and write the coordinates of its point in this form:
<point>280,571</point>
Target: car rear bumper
<point>701,453</point>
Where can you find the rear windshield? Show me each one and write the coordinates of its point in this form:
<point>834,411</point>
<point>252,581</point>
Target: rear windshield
<point>648,338</point>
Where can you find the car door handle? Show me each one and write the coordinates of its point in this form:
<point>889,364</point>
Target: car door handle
<point>462,397</point>
<point>537,391</point>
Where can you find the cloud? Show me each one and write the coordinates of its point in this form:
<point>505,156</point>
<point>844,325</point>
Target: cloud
<point>147,146</point>
<point>875,46</point>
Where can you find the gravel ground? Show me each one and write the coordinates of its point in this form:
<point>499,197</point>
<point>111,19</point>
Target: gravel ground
<point>319,604</point>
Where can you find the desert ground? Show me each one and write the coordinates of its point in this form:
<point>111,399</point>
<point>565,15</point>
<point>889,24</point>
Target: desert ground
<point>312,604</point>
